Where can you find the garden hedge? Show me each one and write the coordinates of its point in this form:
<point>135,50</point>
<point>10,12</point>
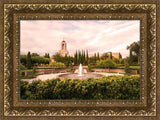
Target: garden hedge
<point>111,87</point>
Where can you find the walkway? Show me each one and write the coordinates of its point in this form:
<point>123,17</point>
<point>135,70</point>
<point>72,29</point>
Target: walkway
<point>55,75</point>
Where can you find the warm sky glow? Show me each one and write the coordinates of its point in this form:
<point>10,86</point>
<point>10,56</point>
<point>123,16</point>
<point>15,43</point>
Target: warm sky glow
<point>44,36</point>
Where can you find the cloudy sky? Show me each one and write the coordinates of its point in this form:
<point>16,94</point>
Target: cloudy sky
<point>45,36</point>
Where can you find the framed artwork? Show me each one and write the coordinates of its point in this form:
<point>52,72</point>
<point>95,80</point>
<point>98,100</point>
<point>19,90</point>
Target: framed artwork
<point>80,66</point>
<point>79,59</point>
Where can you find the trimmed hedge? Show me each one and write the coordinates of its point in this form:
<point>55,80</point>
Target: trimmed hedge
<point>111,87</point>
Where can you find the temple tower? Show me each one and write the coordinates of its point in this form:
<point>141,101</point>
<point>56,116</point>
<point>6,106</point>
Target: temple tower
<point>63,50</point>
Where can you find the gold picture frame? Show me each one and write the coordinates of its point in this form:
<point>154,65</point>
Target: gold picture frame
<point>14,11</point>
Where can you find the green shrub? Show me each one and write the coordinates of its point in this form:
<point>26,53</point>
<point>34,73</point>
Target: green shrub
<point>22,73</point>
<point>34,70</point>
<point>24,88</point>
<point>22,67</point>
<point>127,69</point>
<point>57,64</point>
<point>111,87</point>
<point>108,63</point>
<point>90,68</point>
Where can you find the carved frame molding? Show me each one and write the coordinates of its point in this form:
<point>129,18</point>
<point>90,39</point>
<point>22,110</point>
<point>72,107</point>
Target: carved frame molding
<point>13,13</point>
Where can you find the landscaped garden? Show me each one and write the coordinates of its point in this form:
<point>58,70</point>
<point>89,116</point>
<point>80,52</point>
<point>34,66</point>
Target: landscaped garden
<point>120,79</point>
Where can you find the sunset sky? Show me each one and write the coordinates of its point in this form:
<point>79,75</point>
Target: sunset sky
<point>45,36</point>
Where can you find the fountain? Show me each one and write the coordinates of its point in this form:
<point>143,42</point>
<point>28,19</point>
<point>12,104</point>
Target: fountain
<point>80,73</point>
<point>80,70</point>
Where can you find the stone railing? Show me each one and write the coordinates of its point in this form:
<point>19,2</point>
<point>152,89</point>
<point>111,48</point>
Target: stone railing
<point>41,72</point>
<point>120,71</point>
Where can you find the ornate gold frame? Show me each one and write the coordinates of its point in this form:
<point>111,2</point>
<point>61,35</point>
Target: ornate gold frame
<point>13,12</point>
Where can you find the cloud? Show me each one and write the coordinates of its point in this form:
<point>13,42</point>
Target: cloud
<point>45,36</point>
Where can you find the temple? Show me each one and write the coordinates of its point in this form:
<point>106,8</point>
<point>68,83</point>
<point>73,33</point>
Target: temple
<point>64,52</point>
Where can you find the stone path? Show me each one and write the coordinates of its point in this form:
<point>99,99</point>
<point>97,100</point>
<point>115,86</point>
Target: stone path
<point>44,77</point>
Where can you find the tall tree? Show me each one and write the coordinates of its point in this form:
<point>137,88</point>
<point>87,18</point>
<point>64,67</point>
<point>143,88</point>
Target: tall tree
<point>75,58</point>
<point>135,48</point>
<point>87,57</point>
<point>127,69</point>
<point>23,59</point>
<point>46,55</point>
<point>110,55</point>
<point>29,62</point>
<point>130,58</point>
<point>84,58</point>
<point>98,56</point>
<point>34,54</point>
<point>105,56</point>
<point>120,56</point>
<point>79,57</point>
<point>95,58</point>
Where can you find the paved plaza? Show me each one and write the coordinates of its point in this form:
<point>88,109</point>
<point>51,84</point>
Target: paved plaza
<point>55,75</point>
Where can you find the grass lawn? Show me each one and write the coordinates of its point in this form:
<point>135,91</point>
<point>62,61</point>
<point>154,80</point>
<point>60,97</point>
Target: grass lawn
<point>135,67</point>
